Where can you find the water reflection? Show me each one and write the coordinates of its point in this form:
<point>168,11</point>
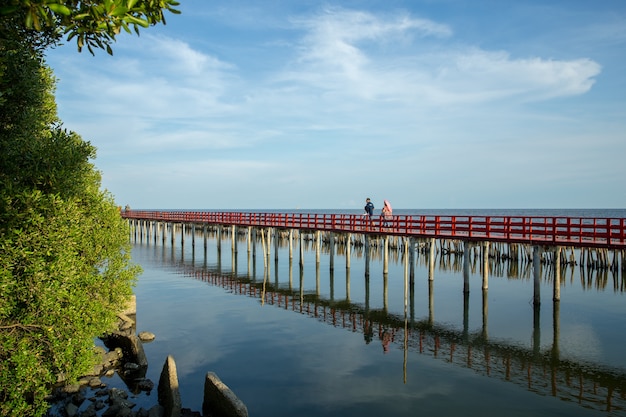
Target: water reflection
<point>543,371</point>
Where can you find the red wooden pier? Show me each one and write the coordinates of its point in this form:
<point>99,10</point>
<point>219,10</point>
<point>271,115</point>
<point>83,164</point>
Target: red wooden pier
<point>581,232</point>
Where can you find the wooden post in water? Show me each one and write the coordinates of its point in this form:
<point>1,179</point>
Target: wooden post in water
<point>348,285</point>
<point>254,245</point>
<point>406,310</point>
<point>385,255</point>
<point>193,241</point>
<point>268,243</point>
<point>290,243</point>
<point>269,233</point>
<point>557,274</point>
<point>485,265</point>
<point>331,247</point>
<point>301,250</point>
<point>317,279</point>
<point>264,248</point>
<point>367,257</point>
<point>219,239</point>
<point>466,263</point>
<point>411,241</point>
<point>536,276</point>
<point>234,250</point>
<point>406,278</point>
<point>318,247</point>
<point>431,260</point>
<point>348,248</point>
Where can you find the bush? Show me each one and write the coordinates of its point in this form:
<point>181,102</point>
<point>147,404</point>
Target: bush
<point>65,267</point>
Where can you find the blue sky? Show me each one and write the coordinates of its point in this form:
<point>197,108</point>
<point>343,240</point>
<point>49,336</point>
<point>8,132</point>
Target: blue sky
<point>306,105</point>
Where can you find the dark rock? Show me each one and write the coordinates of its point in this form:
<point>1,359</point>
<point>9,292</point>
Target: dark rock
<point>145,384</point>
<point>117,410</point>
<point>90,411</point>
<point>71,409</point>
<point>156,411</point>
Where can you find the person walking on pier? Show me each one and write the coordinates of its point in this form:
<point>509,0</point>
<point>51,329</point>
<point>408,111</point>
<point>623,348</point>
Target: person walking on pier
<point>369,209</point>
<point>387,213</point>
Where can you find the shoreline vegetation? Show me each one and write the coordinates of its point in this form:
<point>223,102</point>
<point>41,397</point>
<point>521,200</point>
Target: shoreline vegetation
<point>65,267</point>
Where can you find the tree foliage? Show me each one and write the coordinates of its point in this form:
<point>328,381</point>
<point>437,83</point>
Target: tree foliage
<point>65,267</point>
<point>93,23</point>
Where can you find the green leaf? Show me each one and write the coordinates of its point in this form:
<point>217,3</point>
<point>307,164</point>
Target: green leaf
<point>6,10</point>
<point>137,21</point>
<point>118,11</point>
<point>59,9</point>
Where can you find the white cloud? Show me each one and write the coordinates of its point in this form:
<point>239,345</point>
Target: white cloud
<point>351,91</point>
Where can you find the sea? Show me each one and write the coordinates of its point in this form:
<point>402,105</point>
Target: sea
<point>294,333</point>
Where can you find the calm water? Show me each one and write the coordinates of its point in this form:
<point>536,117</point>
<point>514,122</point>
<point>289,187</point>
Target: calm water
<point>316,341</point>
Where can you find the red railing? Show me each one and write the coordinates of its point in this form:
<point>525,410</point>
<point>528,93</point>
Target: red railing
<point>566,231</point>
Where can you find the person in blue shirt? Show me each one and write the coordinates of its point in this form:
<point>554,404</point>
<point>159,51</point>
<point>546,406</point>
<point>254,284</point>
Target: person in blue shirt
<point>369,208</point>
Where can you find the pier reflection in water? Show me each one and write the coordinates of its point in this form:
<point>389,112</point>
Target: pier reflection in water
<point>392,332</point>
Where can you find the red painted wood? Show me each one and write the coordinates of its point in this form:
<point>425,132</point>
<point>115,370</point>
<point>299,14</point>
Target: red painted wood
<point>563,231</point>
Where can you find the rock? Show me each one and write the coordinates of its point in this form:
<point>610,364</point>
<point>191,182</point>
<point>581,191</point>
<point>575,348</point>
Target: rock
<point>186,412</point>
<point>169,396</point>
<point>71,409</point>
<point>131,347</point>
<point>156,411</point>
<point>117,410</point>
<point>116,394</point>
<point>71,389</point>
<point>95,383</point>
<point>145,384</point>
<point>146,336</point>
<point>90,411</point>
<point>131,367</point>
<point>127,322</point>
<point>220,400</point>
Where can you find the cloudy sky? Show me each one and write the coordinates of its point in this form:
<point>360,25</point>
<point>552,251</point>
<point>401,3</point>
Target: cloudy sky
<point>241,104</point>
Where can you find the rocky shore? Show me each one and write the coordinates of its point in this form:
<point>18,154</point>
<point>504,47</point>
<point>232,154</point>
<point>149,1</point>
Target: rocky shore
<point>122,356</point>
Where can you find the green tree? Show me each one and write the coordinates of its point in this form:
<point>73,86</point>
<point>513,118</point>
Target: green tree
<point>65,268</point>
<point>94,23</point>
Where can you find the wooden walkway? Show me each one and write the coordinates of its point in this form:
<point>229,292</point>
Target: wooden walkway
<point>609,233</point>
